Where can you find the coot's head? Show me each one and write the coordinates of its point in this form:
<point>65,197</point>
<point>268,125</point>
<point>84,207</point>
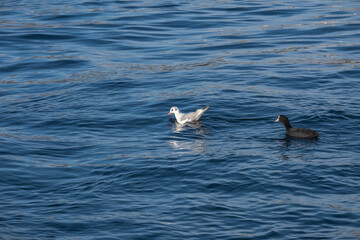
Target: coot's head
<point>283,119</point>
<point>173,110</point>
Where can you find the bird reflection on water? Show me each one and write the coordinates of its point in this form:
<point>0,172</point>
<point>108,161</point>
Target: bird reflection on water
<point>288,141</point>
<point>197,144</point>
<point>291,146</point>
<point>181,127</point>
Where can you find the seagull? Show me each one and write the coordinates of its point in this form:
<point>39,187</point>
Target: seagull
<point>183,118</point>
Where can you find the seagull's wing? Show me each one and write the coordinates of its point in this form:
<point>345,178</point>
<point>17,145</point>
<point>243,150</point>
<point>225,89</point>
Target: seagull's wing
<point>194,116</point>
<point>200,112</point>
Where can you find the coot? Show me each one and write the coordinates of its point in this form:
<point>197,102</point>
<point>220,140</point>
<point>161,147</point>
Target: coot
<point>296,132</point>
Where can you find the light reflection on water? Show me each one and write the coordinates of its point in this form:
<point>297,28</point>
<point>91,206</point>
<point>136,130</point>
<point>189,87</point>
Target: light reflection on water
<point>197,146</point>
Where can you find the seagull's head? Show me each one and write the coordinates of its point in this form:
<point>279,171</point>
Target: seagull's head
<point>173,110</point>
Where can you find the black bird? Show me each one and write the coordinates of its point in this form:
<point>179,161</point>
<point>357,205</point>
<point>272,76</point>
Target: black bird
<point>296,132</point>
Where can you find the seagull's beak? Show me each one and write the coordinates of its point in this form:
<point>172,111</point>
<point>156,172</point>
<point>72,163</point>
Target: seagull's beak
<point>169,113</point>
<point>277,120</point>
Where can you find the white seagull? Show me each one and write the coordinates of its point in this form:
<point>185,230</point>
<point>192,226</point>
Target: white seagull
<point>183,118</point>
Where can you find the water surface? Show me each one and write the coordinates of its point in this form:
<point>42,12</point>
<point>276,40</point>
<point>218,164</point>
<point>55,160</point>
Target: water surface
<point>87,151</point>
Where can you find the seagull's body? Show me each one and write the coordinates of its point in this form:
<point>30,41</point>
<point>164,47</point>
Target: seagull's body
<point>183,118</point>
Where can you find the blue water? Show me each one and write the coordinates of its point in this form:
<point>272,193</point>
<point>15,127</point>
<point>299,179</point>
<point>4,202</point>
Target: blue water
<point>87,150</point>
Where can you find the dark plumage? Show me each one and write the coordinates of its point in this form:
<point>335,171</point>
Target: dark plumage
<point>296,132</point>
